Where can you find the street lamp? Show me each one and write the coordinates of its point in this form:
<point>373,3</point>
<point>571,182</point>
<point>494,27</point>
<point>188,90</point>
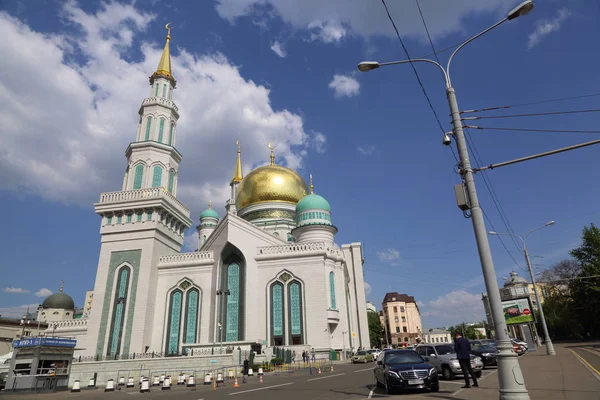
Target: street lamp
<point>220,323</point>
<point>549,346</point>
<point>510,377</point>
<point>25,321</point>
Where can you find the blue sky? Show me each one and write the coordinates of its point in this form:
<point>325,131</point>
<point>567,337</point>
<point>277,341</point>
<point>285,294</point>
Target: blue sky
<point>75,73</point>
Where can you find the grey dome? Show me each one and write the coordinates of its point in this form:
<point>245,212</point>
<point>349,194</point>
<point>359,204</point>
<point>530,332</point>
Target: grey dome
<point>59,300</point>
<point>515,280</point>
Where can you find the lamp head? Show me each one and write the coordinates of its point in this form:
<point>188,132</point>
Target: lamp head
<point>366,66</point>
<point>522,9</point>
<point>549,223</point>
<point>492,233</point>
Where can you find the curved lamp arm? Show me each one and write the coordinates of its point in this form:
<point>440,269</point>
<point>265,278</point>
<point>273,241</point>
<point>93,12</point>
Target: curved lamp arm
<point>370,65</point>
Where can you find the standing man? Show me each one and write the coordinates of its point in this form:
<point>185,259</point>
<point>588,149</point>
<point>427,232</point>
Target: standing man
<point>462,348</point>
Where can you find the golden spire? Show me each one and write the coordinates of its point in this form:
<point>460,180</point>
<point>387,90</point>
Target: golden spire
<point>164,65</point>
<point>62,284</point>
<point>311,185</point>
<point>237,173</point>
<point>210,204</point>
<point>272,153</point>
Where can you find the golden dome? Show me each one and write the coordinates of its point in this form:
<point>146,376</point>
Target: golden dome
<point>270,183</point>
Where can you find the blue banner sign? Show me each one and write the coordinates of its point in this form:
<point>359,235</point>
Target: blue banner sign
<point>48,342</point>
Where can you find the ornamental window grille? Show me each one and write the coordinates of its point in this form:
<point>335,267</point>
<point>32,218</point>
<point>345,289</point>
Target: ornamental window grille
<point>174,322</point>
<point>161,129</point>
<point>157,176</point>
<point>148,127</point>
<point>118,313</point>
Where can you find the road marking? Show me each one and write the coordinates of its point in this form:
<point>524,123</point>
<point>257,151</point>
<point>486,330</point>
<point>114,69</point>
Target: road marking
<point>478,380</point>
<point>591,350</point>
<point>589,367</point>
<point>363,370</point>
<point>262,388</point>
<point>371,392</point>
<point>324,377</point>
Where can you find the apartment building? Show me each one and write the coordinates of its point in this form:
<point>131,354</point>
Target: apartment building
<point>401,319</point>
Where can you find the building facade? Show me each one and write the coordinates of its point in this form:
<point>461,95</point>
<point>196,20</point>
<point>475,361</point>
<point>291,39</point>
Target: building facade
<point>268,271</point>
<point>401,319</point>
<point>436,335</point>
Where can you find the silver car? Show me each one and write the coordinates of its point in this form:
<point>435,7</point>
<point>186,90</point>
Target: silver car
<point>443,358</point>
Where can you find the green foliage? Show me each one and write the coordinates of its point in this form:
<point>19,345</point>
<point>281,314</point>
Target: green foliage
<point>468,332</point>
<point>375,329</point>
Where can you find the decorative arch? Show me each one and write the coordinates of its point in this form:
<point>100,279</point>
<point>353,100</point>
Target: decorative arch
<point>164,90</point>
<point>277,314</point>
<point>123,277</point>
<point>157,171</point>
<point>171,180</point>
<point>333,304</point>
<point>148,127</point>
<point>286,309</point>
<point>296,314</point>
<point>138,175</point>
<point>171,129</point>
<point>232,305</point>
<point>174,321</point>
<point>161,129</point>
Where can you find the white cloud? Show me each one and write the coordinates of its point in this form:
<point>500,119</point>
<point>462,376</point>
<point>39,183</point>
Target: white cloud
<point>368,288</point>
<point>366,150</point>
<point>319,141</point>
<point>64,137</point>
<point>547,26</point>
<point>388,254</point>
<point>328,22</point>
<point>18,311</point>
<point>43,292</point>
<point>190,242</point>
<point>344,85</point>
<point>15,290</point>
<point>456,306</point>
<point>277,47</point>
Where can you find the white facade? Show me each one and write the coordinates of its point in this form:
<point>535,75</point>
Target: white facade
<point>256,277</point>
<point>434,335</point>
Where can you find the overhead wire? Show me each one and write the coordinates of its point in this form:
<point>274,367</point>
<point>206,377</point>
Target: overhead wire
<point>531,114</point>
<point>531,103</point>
<point>532,130</point>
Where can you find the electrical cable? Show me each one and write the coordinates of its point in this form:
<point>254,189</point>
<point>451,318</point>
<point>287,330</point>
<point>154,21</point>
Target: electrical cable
<point>532,114</point>
<point>531,130</point>
<point>531,103</point>
<point>427,31</point>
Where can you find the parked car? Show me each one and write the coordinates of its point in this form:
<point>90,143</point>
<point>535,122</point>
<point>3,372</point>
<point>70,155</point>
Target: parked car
<point>3,377</point>
<point>443,358</point>
<point>406,370</point>
<point>517,348</point>
<point>362,356</point>
<point>375,353</point>
<point>487,353</point>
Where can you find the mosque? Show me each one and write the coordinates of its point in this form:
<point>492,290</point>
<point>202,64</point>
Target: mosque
<point>267,270</point>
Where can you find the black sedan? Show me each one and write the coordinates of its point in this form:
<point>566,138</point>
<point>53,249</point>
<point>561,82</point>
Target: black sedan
<point>405,370</point>
<point>486,353</point>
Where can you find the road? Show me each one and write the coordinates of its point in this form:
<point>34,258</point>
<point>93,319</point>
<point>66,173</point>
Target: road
<point>589,354</point>
<point>347,382</point>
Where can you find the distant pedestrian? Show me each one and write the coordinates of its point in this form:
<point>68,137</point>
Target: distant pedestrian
<point>293,356</point>
<point>462,348</point>
<point>304,356</point>
<point>312,353</point>
<point>245,369</point>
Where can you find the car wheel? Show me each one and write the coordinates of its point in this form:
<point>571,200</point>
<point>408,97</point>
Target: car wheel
<point>434,389</point>
<point>478,374</point>
<point>377,383</point>
<point>388,389</point>
<point>447,373</point>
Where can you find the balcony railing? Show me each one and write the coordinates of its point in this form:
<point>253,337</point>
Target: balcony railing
<point>142,194</point>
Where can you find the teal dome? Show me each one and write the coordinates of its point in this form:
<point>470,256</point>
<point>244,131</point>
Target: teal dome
<point>209,213</point>
<point>312,202</point>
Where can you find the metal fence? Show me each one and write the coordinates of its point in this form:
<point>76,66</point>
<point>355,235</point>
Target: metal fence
<point>154,354</point>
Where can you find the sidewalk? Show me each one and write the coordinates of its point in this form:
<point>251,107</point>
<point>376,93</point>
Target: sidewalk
<point>562,377</point>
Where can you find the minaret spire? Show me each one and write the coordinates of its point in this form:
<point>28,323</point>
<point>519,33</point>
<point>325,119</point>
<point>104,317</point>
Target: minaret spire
<point>312,188</point>
<point>62,284</point>
<point>237,173</point>
<point>272,153</point>
<point>164,65</point>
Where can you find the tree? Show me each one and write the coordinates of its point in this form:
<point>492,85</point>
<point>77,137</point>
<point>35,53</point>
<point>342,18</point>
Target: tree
<point>375,329</point>
<point>586,289</point>
<point>468,332</point>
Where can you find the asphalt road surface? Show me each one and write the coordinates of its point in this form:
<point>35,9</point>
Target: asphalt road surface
<point>346,382</point>
<point>589,354</point>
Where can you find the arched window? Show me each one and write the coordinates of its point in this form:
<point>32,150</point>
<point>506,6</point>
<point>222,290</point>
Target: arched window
<point>174,322</point>
<point>156,89</point>
<point>191,316</point>
<point>161,128</point>
<point>277,318</point>
<point>164,90</point>
<point>332,290</point>
<point>171,180</point>
<point>118,314</point>
<point>139,174</point>
<point>148,126</point>
<point>157,176</point>
<point>233,310</point>
<point>295,307</point>
<point>171,134</point>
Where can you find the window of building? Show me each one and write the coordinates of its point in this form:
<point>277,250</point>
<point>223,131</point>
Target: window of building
<point>403,319</point>
<point>395,309</point>
<point>404,329</point>
<point>138,175</point>
<point>402,309</point>
<point>161,129</point>
<point>396,319</point>
<point>397,329</point>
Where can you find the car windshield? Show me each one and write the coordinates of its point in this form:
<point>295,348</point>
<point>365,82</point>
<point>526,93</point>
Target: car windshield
<point>361,353</point>
<point>442,350</point>
<point>405,357</point>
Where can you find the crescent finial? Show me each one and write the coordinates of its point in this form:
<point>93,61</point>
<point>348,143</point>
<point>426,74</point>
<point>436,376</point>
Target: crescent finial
<point>168,27</point>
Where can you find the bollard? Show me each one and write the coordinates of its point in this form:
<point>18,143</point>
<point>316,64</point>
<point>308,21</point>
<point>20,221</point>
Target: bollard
<point>156,381</point>
<point>220,379</point>
<point>181,379</point>
<point>122,381</point>
<point>207,380</point>
<point>92,383</point>
<point>250,372</point>
<point>260,378</point>
<point>130,382</point>
<point>162,378</point>
<point>145,386</point>
<point>319,371</point>
<point>331,368</point>
<point>110,386</point>
<point>191,382</point>
<point>260,372</point>
<point>166,383</point>
<point>141,380</point>
<point>230,374</point>
<point>76,387</point>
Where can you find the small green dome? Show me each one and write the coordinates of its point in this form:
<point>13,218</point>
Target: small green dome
<point>209,213</point>
<point>312,202</point>
<point>59,300</point>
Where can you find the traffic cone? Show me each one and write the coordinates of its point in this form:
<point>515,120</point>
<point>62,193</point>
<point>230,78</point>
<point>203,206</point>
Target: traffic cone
<point>260,378</point>
<point>331,368</point>
<point>319,370</point>
<point>235,382</point>
<point>214,385</point>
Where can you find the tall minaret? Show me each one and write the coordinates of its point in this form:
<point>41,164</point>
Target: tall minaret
<point>235,182</point>
<point>140,224</point>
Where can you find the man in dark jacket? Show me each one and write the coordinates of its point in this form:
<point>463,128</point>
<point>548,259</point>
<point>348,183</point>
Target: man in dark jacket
<point>462,347</point>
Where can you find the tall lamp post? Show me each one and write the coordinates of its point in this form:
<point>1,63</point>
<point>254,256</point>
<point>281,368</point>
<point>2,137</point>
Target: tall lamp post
<point>510,377</point>
<point>25,321</point>
<point>220,323</point>
<point>549,346</point>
